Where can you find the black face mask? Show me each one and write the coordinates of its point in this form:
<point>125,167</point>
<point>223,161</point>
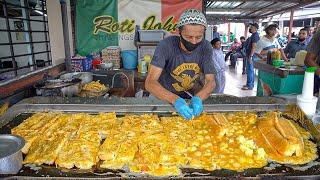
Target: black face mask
<point>188,45</point>
<point>301,39</point>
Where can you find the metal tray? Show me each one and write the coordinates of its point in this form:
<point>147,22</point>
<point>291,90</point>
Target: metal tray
<point>19,112</point>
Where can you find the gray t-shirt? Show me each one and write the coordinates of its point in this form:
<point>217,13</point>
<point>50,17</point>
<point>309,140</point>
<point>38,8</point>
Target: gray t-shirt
<point>314,46</point>
<point>181,70</point>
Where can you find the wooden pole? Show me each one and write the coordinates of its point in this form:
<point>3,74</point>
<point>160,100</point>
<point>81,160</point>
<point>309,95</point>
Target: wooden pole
<point>228,31</point>
<point>245,30</point>
<point>290,25</point>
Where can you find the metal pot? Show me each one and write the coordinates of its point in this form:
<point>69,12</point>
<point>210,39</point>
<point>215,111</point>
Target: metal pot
<point>58,87</point>
<point>10,153</point>
<point>86,77</point>
<point>70,76</point>
<point>72,90</point>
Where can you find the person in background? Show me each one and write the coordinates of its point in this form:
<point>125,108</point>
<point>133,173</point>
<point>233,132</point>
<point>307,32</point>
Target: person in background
<point>240,53</point>
<point>215,33</point>
<point>315,30</point>
<point>179,62</point>
<point>250,47</point>
<point>232,37</point>
<point>220,66</point>
<point>313,58</point>
<point>233,48</point>
<point>309,32</point>
<point>268,42</point>
<point>296,45</point>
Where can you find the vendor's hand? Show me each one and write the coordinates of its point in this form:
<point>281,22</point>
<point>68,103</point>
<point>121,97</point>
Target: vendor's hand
<point>318,72</point>
<point>249,59</point>
<point>183,109</point>
<point>196,105</point>
<point>273,49</point>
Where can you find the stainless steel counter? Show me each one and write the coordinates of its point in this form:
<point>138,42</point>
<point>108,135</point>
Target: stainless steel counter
<point>217,103</point>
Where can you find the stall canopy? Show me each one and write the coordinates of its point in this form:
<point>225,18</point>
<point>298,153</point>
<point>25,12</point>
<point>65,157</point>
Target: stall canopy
<point>249,10</point>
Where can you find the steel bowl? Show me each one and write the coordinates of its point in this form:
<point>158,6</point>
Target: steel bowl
<point>86,77</point>
<point>10,153</point>
<point>105,66</point>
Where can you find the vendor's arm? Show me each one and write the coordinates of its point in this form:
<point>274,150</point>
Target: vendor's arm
<point>283,55</point>
<point>155,88</point>
<point>257,50</point>
<point>310,60</point>
<point>209,69</point>
<point>286,50</point>
<point>254,47</point>
<point>313,50</point>
<point>158,63</point>
<point>208,87</point>
<point>265,52</point>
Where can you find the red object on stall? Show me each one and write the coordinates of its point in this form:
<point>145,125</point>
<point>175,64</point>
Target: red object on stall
<point>174,8</point>
<point>95,62</point>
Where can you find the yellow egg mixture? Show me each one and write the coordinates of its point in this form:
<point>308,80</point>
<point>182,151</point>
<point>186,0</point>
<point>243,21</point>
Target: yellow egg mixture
<point>160,146</point>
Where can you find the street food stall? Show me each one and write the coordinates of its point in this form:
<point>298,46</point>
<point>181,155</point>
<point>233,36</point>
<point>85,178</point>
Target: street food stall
<point>86,133</point>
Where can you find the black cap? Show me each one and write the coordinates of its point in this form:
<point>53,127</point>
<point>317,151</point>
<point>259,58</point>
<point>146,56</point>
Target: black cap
<point>213,41</point>
<point>271,25</point>
<point>254,24</point>
<point>307,27</point>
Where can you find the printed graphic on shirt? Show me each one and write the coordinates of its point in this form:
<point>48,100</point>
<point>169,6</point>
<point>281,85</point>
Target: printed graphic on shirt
<point>181,74</point>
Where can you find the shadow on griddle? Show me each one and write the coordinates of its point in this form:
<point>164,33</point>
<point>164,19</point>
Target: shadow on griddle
<point>6,129</point>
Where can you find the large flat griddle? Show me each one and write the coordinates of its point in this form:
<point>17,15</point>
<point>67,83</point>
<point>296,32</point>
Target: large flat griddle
<point>26,108</point>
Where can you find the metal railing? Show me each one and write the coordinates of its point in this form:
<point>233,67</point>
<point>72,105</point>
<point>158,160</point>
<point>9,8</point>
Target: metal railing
<point>29,41</point>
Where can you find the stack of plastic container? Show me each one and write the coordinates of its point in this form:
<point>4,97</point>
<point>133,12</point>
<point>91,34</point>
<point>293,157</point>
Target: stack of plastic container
<point>112,55</point>
<point>81,63</point>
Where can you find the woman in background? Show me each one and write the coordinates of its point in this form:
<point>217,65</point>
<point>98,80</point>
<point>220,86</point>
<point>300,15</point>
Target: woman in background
<point>219,65</point>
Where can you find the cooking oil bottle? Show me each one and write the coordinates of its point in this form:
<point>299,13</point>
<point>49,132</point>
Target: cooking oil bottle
<point>142,67</point>
<point>147,59</point>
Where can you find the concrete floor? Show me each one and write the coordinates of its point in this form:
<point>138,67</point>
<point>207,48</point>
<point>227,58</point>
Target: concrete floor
<point>235,80</point>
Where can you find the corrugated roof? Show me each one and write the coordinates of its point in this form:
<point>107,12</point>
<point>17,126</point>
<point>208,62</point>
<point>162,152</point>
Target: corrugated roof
<point>250,9</point>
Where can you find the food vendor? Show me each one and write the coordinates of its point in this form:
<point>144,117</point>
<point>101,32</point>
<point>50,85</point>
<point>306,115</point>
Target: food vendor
<point>178,64</point>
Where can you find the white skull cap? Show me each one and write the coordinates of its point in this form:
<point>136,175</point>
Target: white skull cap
<point>192,16</point>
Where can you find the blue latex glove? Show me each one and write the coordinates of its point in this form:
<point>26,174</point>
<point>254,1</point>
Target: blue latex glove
<point>183,109</point>
<point>196,105</point>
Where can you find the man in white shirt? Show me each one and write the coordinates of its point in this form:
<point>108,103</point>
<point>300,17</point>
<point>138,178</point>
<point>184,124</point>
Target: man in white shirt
<point>269,42</point>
